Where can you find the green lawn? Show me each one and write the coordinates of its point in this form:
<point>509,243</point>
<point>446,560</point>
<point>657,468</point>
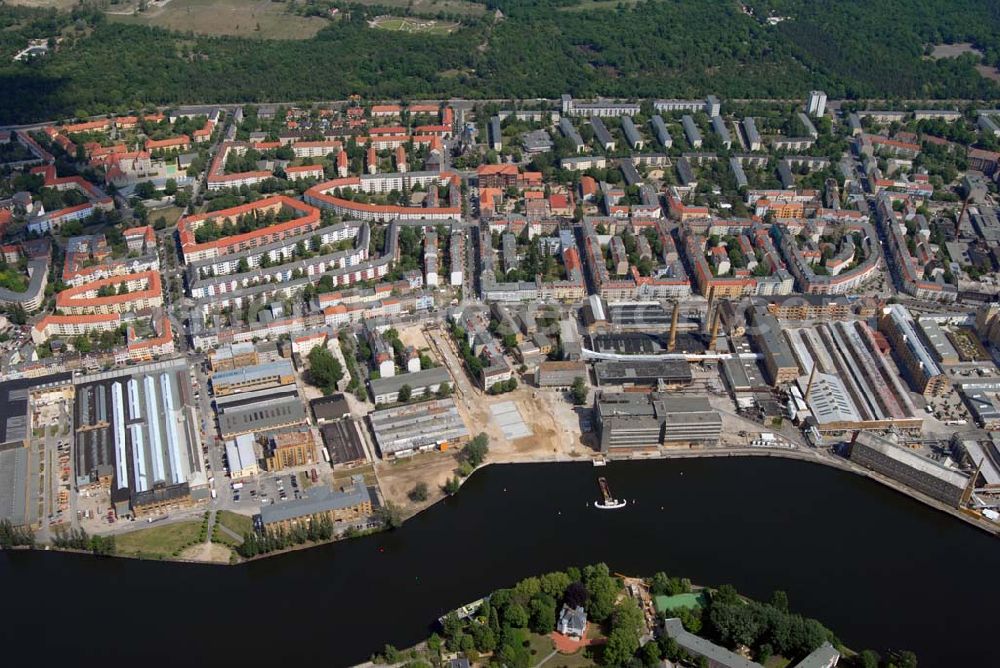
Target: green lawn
<point>539,646</point>
<point>578,660</point>
<point>158,542</point>
<point>238,524</point>
<point>13,280</point>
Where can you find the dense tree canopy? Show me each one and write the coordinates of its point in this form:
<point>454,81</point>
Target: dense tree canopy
<point>653,48</point>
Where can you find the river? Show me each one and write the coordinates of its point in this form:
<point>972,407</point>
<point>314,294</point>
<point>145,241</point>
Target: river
<point>880,569</point>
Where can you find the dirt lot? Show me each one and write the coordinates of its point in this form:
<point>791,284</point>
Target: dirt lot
<point>246,18</point>
<point>414,336</point>
<point>555,436</point>
<point>397,478</point>
<point>210,552</point>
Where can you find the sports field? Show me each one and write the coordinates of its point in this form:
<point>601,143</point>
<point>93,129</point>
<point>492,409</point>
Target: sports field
<point>410,24</point>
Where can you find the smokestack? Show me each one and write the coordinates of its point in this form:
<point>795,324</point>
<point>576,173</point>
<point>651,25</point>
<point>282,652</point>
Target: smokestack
<point>809,387</point>
<point>673,327</point>
<point>715,330</point>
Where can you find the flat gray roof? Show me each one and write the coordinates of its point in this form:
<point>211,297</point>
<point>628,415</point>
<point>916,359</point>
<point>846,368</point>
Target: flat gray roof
<point>249,373</point>
<point>417,379</point>
<point>37,271</point>
<point>14,485</point>
<point>938,339</point>
<point>317,500</point>
<point>912,460</point>
<point>717,656</point>
<point>823,656</point>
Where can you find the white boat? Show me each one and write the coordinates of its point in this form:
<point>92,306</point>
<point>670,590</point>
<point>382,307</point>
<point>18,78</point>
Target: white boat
<point>608,502</point>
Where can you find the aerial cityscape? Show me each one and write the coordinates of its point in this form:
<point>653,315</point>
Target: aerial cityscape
<point>236,325</point>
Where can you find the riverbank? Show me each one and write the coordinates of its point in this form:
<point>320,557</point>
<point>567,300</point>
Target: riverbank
<point>410,511</point>
<point>853,554</point>
<point>621,619</point>
<point>812,457</point>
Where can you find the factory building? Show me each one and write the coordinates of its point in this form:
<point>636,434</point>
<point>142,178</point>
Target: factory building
<point>286,449</point>
<point>386,390</point>
<point>137,437</point>
<point>250,378</point>
<point>342,440</point>
<point>233,356</point>
<point>937,341</point>
<point>404,430</point>
<point>847,382</point>
<point>922,370</point>
<point>350,504</point>
<point>560,374</point>
<point>260,411</point>
<point>637,421</point>
<point>767,338</point>
<point>648,373</point>
<point>241,458</point>
<point>913,470</point>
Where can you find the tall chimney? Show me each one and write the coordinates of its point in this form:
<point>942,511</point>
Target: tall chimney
<point>673,327</point>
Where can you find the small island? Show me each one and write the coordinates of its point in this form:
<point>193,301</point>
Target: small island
<point>592,617</point>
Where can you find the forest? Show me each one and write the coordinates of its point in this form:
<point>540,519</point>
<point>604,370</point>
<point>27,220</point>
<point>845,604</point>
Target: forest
<point>654,48</point>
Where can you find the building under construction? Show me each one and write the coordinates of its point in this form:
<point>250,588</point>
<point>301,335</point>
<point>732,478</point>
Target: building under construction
<point>846,381</point>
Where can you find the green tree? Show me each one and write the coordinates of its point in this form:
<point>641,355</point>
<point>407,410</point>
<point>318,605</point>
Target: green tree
<point>389,516</point>
<point>434,645</point>
<point>475,451</point>
<point>868,659</point>
<point>419,492</point>
<point>650,654</point>
<point>543,614</point>
<point>602,589</point>
<point>621,647</point>
<point>452,485</point>
<point>405,393</point>
<point>515,615</point>
<point>659,584</point>
<point>579,391</point>
<point>484,637</point>
<point>325,370</point>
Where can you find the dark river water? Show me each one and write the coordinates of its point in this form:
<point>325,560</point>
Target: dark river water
<point>879,569</point>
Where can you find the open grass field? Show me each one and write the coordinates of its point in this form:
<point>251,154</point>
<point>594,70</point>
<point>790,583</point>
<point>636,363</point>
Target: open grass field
<point>47,4</point>
<point>410,24</point>
<point>238,524</point>
<point>588,5</point>
<point>158,541</point>
<point>260,19</point>
<point>170,213</point>
<point>462,7</point>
